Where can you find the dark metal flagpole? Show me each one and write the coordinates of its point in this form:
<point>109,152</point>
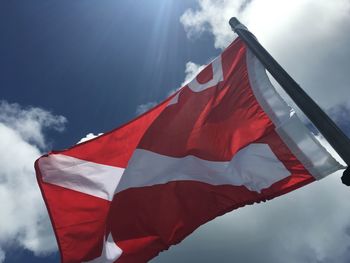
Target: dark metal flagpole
<point>337,139</point>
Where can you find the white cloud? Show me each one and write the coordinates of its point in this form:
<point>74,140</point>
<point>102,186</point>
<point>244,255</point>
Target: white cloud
<point>192,69</point>
<point>88,137</point>
<point>24,220</point>
<point>211,16</point>
<point>309,38</point>
<point>29,122</point>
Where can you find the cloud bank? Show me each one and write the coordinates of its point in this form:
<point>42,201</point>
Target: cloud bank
<point>24,220</point>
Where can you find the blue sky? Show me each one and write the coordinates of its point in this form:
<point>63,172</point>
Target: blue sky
<point>70,68</point>
<point>88,60</point>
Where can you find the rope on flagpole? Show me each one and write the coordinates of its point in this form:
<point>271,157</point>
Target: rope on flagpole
<point>333,134</point>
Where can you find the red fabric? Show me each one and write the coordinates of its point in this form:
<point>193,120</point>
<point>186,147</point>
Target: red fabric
<point>116,147</point>
<point>78,219</point>
<point>226,117</point>
<point>212,125</point>
<point>147,220</point>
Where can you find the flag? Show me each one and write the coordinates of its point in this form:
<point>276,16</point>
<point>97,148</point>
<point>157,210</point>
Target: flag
<point>224,140</point>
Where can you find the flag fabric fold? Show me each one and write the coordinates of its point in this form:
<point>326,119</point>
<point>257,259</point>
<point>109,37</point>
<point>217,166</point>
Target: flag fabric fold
<point>224,140</point>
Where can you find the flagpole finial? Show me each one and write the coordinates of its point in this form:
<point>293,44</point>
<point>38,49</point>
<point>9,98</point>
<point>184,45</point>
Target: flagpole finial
<point>235,24</point>
<point>346,177</point>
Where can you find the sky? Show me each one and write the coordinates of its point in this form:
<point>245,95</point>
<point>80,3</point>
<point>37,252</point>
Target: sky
<point>72,69</point>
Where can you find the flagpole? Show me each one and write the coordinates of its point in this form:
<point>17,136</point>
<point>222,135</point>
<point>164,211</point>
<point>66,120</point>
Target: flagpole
<point>337,139</point>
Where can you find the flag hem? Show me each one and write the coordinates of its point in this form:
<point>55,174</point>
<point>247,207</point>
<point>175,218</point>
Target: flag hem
<point>299,139</point>
<point>39,180</point>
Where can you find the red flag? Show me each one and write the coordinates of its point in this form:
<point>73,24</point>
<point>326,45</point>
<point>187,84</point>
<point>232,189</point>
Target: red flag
<point>224,140</point>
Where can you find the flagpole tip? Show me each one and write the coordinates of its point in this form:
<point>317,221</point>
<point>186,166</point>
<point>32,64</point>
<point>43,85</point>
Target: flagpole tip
<point>346,177</point>
<point>235,24</point>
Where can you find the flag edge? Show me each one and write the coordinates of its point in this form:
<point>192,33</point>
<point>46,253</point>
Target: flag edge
<point>261,85</point>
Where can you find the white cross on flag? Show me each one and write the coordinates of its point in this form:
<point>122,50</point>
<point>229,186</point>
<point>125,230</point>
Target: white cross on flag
<point>224,140</point>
